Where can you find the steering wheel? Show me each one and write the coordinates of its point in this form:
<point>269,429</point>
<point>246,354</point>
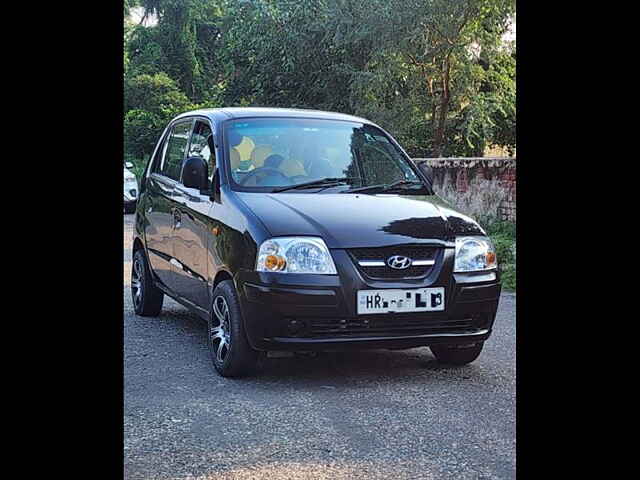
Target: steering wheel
<point>263,170</point>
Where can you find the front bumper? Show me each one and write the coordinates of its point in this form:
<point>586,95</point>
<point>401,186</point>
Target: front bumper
<point>319,312</point>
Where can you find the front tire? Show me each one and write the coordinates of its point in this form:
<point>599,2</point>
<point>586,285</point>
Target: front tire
<point>230,352</point>
<point>457,354</point>
<point>147,298</point>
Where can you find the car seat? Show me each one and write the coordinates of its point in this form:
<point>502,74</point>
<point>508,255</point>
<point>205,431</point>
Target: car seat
<point>234,159</point>
<point>273,161</point>
<point>245,148</point>
<point>259,155</point>
<point>292,168</point>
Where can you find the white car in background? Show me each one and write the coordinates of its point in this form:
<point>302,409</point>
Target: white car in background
<point>130,189</point>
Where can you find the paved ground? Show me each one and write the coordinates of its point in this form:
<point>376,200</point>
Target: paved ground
<point>377,414</point>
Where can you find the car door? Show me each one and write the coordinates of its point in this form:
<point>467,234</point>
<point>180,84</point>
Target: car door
<point>160,209</point>
<point>191,234</point>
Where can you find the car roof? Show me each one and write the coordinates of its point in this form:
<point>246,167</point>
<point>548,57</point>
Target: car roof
<point>228,113</point>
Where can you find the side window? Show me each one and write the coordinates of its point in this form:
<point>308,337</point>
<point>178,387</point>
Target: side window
<point>202,145</point>
<point>175,149</point>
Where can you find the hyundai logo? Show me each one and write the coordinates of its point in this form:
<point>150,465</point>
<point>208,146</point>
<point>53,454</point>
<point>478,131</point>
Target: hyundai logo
<point>399,262</point>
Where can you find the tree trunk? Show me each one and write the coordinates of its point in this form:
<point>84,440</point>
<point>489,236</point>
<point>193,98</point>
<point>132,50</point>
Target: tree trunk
<point>438,144</point>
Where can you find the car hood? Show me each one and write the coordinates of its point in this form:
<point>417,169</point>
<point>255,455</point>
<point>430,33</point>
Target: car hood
<point>353,221</point>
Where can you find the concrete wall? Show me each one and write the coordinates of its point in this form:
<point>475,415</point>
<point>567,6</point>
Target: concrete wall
<point>476,186</point>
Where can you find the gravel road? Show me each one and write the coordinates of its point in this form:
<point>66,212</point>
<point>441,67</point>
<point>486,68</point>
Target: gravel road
<point>373,414</point>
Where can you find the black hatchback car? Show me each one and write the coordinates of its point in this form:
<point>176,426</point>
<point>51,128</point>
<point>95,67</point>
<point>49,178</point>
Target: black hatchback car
<point>300,230</point>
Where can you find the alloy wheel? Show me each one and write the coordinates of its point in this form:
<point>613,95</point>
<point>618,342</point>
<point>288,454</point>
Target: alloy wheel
<point>137,275</point>
<point>220,331</point>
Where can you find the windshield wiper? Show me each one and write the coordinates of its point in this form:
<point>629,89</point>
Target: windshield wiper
<point>383,187</point>
<point>323,182</point>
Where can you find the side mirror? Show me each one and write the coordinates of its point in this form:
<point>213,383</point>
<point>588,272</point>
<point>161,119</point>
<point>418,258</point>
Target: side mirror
<point>194,173</point>
<point>128,165</point>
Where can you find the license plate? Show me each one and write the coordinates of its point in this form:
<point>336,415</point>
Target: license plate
<point>399,301</point>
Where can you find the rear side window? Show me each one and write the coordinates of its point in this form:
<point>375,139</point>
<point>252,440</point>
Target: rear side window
<point>175,149</point>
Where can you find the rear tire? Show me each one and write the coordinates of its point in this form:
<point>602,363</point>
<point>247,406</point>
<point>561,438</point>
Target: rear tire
<point>457,354</point>
<point>230,352</point>
<point>147,298</point>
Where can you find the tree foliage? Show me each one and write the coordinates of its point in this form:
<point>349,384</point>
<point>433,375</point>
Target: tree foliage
<point>436,73</point>
<point>150,102</point>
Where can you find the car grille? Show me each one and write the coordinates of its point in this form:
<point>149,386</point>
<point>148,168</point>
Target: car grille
<point>386,272</point>
<point>363,327</point>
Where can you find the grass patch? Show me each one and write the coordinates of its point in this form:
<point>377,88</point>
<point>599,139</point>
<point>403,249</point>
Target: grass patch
<point>503,235</point>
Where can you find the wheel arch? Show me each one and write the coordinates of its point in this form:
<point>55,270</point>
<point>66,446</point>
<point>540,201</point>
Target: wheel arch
<point>137,245</point>
<point>221,276</point>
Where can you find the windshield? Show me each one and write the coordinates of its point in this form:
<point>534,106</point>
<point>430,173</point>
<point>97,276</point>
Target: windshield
<point>267,154</point>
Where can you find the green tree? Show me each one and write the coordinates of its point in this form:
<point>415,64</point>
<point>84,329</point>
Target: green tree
<point>427,61</point>
<point>184,44</point>
<point>490,117</point>
<point>276,54</point>
<point>435,73</point>
<point>150,103</point>
<point>430,71</point>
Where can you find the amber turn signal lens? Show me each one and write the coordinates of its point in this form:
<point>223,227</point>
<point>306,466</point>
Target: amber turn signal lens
<point>491,258</point>
<point>274,262</point>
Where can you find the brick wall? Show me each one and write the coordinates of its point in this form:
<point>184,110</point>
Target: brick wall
<point>476,186</point>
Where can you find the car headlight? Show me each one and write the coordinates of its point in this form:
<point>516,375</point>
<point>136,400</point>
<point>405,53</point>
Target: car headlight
<point>295,255</point>
<point>474,254</point>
